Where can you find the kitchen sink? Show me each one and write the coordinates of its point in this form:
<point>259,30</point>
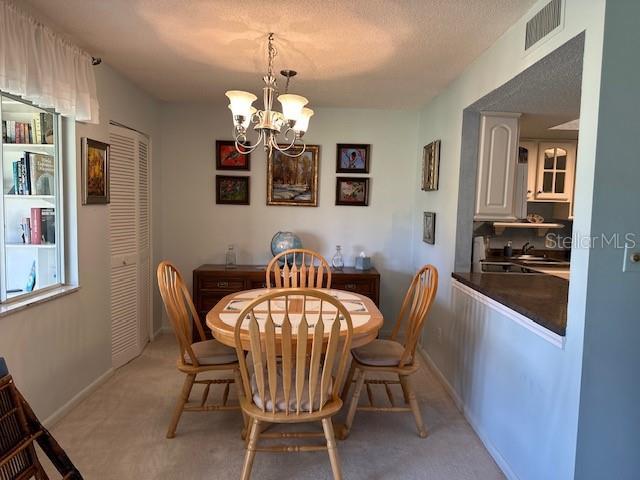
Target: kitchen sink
<point>533,260</point>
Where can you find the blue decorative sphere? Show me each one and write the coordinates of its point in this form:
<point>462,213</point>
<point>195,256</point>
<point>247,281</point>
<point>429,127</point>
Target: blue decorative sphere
<point>282,241</point>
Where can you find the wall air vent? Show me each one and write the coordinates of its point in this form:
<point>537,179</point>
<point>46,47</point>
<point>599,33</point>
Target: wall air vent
<point>543,23</point>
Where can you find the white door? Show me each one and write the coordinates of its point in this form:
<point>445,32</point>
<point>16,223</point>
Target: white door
<point>497,158</point>
<point>129,229</point>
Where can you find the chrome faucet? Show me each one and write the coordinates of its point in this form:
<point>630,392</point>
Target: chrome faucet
<point>526,248</point>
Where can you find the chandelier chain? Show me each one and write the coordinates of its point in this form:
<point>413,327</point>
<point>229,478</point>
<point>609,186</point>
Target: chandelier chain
<point>272,52</point>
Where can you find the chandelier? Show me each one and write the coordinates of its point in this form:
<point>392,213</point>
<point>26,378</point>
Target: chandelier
<point>287,126</point>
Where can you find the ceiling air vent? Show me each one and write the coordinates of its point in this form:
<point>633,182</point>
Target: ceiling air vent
<point>543,23</point>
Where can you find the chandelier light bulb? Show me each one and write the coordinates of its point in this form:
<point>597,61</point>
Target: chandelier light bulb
<point>246,119</point>
<point>302,123</point>
<point>292,105</point>
<point>240,103</point>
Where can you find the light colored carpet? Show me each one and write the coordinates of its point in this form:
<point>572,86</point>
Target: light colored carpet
<point>119,433</point>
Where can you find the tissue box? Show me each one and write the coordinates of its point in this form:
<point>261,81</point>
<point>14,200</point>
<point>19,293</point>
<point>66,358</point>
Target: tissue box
<point>363,263</point>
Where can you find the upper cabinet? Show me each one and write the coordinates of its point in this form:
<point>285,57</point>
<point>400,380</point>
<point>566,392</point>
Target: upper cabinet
<point>497,165</point>
<point>555,171</point>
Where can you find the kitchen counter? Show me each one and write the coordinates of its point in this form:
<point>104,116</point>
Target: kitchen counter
<point>541,298</point>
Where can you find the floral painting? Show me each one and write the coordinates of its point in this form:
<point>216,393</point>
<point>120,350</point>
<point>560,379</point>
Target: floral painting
<point>352,191</point>
<point>232,190</point>
<point>95,171</point>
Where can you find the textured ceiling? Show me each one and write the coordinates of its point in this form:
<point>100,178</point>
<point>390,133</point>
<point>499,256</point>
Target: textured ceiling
<point>359,53</point>
<point>547,93</point>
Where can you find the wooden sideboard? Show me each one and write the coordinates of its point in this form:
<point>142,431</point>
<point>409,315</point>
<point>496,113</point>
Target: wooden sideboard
<point>212,282</point>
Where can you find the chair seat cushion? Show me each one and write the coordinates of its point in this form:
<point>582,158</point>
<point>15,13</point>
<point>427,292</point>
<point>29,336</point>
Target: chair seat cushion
<point>281,403</point>
<point>211,352</point>
<point>380,353</point>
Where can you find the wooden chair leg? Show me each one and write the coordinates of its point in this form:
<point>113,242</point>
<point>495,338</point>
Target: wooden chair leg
<point>332,449</point>
<point>413,403</point>
<point>251,449</point>
<point>240,391</point>
<point>347,383</point>
<point>353,405</point>
<point>184,398</point>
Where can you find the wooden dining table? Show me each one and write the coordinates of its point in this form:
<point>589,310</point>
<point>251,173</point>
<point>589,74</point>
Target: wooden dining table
<point>366,320</point>
<point>222,318</point>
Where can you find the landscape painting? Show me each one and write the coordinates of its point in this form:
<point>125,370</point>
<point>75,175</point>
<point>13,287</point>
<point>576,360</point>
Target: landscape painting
<point>293,180</point>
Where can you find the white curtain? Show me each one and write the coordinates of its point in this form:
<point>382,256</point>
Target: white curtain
<point>40,66</point>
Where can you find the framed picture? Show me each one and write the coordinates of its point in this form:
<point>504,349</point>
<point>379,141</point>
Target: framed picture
<point>232,190</point>
<point>228,157</point>
<point>429,228</point>
<point>95,172</point>
<point>293,180</point>
<point>352,158</point>
<point>352,191</point>
<point>430,166</point>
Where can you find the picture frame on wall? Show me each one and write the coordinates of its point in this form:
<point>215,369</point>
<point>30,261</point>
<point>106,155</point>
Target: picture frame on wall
<point>95,172</point>
<point>232,190</point>
<point>352,191</point>
<point>352,158</point>
<point>431,166</point>
<point>293,181</point>
<point>228,157</point>
<point>429,228</point>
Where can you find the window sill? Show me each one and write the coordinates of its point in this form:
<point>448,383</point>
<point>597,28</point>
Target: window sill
<point>12,307</point>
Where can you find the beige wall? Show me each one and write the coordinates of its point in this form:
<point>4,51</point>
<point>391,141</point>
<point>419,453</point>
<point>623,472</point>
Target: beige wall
<point>195,230</point>
<point>56,349</point>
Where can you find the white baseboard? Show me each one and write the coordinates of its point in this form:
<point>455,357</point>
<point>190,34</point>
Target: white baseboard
<point>56,416</point>
<point>499,459</point>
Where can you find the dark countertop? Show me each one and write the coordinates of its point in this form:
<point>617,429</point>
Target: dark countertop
<point>542,298</point>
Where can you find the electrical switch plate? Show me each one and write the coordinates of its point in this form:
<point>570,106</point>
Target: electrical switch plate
<point>631,259</point>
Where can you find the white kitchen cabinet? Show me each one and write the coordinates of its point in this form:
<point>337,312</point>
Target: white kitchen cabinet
<point>497,163</point>
<point>529,149</point>
<point>555,171</point>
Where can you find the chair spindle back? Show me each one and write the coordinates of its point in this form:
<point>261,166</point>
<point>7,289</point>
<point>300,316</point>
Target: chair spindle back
<point>180,308</point>
<point>288,354</point>
<point>415,306</point>
<point>302,269</point>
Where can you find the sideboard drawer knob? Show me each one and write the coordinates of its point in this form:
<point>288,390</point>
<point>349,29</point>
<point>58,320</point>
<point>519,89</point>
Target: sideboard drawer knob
<point>223,284</point>
<point>350,286</point>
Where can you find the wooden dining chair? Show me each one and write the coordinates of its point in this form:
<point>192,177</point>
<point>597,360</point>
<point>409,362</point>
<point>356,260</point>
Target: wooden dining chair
<point>297,365</point>
<point>392,356</point>
<point>195,358</point>
<point>299,268</point>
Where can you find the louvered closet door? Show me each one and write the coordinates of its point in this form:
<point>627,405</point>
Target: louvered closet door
<point>129,230</point>
<point>144,242</point>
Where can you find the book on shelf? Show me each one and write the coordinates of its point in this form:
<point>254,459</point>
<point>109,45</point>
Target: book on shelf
<point>36,226</point>
<point>33,174</point>
<point>26,230</point>
<point>38,130</point>
<point>43,226</point>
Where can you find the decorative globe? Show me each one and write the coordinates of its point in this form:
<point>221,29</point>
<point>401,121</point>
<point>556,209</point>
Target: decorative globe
<point>282,241</point>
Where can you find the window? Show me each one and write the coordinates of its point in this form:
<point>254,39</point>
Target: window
<point>31,252</point>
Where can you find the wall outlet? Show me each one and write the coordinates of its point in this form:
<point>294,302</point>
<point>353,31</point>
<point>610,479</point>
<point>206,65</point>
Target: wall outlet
<point>631,259</point>
<point>439,335</point>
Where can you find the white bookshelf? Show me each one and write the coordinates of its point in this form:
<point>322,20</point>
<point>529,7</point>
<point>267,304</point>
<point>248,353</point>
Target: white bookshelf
<point>17,257</point>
